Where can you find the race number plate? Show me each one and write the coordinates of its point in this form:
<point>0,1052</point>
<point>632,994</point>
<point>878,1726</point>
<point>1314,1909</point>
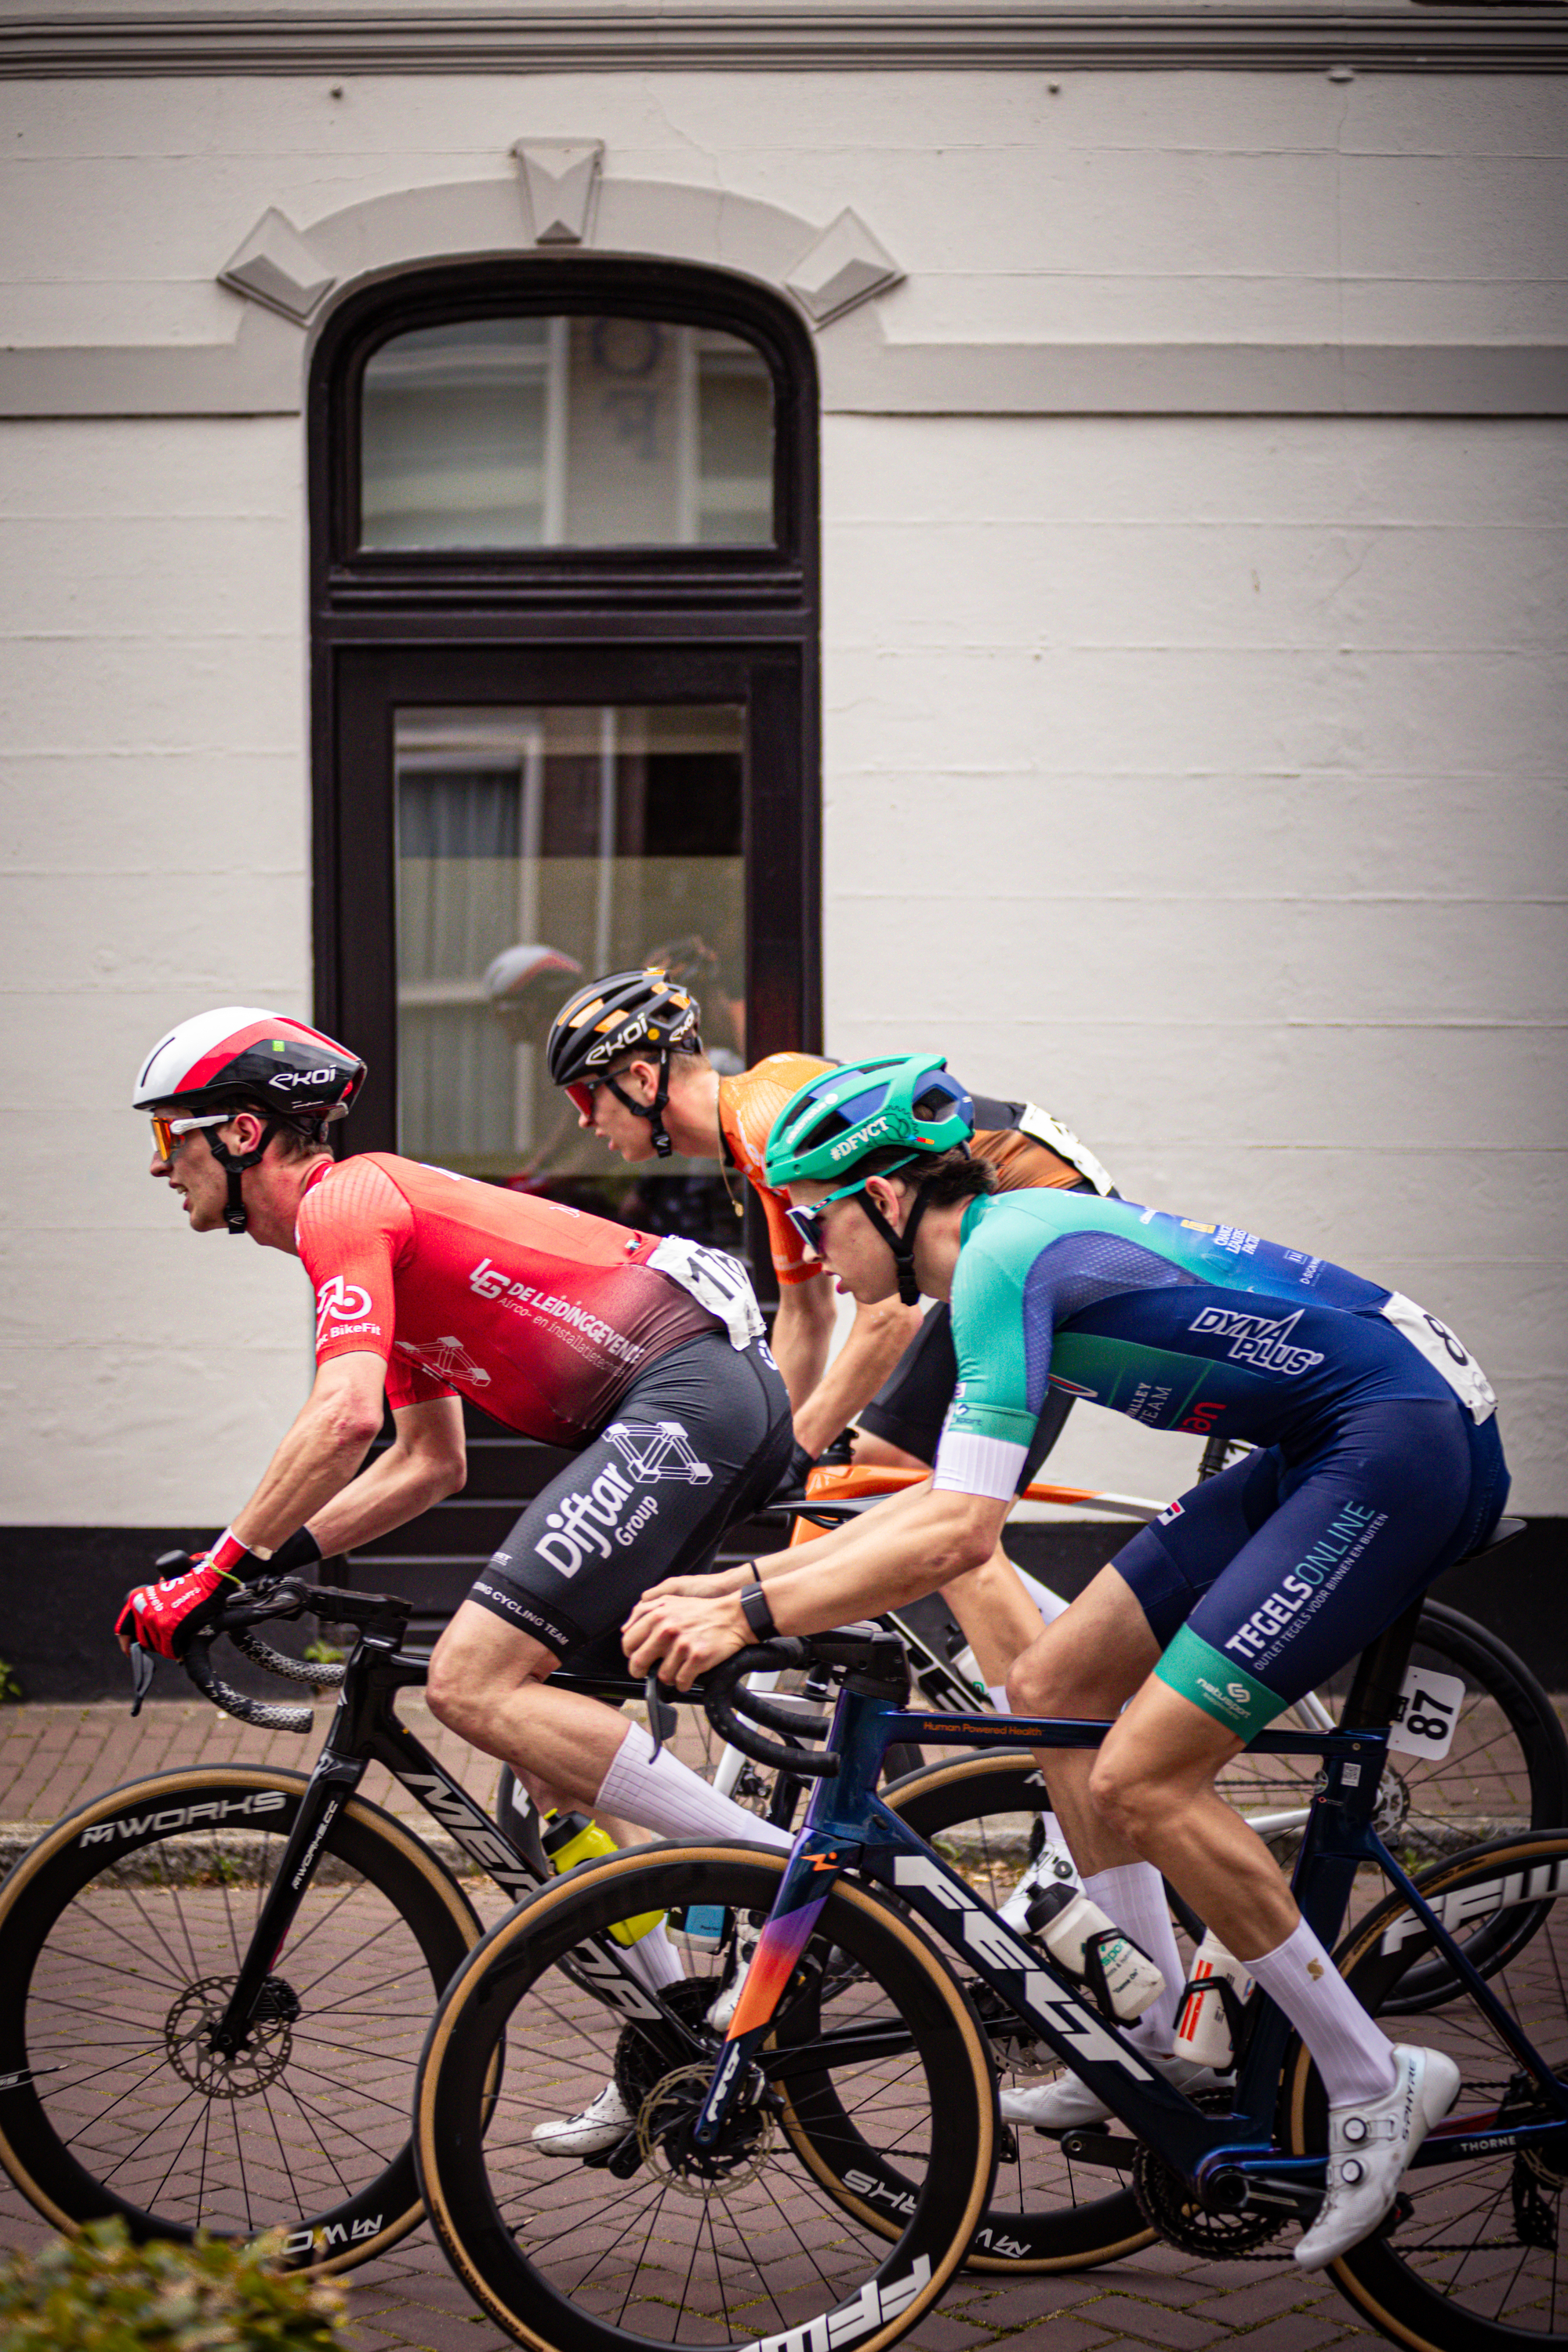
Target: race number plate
<point>1428,1710</point>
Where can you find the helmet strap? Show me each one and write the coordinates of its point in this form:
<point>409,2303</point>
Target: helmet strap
<point>234,1165</point>
<point>654,1111</point>
<point>901,1245</point>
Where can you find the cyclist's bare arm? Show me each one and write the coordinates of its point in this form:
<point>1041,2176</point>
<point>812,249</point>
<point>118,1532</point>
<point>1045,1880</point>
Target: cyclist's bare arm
<point>906,1547</point>
<point>425,1462</point>
<point>333,1434</point>
<point>872,1346</point>
<point>802,1330</point>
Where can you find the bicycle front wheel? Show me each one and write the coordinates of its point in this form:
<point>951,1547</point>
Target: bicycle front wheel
<point>651,2240</point>
<point>1476,2259</point>
<point>124,1930</point>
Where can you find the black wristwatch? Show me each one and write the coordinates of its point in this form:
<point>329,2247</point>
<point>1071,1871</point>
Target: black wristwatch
<point>758,1615</point>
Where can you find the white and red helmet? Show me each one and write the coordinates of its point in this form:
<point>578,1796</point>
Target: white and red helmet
<point>241,1054</point>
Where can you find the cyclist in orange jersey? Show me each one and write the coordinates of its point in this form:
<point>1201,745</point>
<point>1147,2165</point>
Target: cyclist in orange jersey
<point>627,1048</point>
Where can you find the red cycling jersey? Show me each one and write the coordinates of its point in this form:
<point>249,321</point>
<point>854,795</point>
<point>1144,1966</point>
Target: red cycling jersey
<point>542,1314</point>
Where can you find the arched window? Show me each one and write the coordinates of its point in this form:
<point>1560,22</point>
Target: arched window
<point>564,596</point>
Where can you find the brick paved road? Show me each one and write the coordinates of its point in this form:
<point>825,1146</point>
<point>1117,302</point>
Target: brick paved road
<point>50,1757</point>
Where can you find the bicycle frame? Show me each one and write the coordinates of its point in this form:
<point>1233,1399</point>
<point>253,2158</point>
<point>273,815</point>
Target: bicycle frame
<point>364,1730</point>
<point>1228,2159</point>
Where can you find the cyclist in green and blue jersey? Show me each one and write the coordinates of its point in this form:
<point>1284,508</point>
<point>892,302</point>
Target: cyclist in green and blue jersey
<point>1378,1463</point>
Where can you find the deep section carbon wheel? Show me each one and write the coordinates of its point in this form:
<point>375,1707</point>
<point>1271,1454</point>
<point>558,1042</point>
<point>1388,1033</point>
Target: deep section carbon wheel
<point>124,1930</point>
<point>1476,2259</point>
<point>655,2240</point>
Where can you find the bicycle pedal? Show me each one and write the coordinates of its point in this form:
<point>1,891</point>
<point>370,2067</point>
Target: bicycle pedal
<point>1398,2213</point>
<point>620,2161</point>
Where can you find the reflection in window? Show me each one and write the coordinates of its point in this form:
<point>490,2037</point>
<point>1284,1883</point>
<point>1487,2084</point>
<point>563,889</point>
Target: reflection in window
<point>536,847</point>
<point>574,432</point>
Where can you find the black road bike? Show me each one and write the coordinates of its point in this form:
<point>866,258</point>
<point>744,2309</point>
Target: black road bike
<point>820,2176</point>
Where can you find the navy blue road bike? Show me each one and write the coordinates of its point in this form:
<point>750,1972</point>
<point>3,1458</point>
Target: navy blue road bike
<point>816,2179</point>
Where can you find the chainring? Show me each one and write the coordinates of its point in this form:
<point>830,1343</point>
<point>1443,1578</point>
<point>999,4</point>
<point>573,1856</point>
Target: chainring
<point>1170,2205</point>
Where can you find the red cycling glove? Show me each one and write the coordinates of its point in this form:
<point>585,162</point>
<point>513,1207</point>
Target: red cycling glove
<point>164,1616</point>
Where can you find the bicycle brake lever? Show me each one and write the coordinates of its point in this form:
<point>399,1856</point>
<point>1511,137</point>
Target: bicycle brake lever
<point>143,1666</point>
<point>283,1596</point>
<point>662,1718</point>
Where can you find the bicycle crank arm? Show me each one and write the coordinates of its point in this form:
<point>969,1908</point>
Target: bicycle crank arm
<point>1080,2147</point>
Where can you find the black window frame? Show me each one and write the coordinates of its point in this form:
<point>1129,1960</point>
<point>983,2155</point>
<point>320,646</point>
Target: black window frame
<point>671,623</point>
<point>776,576</point>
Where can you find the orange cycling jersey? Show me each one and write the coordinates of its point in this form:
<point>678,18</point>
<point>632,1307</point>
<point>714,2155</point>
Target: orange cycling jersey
<point>748,1104</point>
<point>542,1314</point>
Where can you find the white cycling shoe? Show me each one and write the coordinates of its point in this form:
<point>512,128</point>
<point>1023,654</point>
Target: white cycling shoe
<point>602,2124</point>
<point>723,2007</point>
<point>1371,2144</point>
<point>1066,2103</point>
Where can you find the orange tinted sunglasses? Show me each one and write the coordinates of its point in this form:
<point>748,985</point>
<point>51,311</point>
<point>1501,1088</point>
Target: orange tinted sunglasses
<point>166,1132</point>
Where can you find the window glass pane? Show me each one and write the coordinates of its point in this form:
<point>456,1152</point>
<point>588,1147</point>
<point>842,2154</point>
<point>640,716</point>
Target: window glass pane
<point>536,847</point>
<point>577,431</point>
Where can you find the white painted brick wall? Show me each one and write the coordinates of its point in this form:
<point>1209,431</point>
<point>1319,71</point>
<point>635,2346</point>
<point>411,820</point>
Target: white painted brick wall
<point>156,832</point>
<point>1205,779</point>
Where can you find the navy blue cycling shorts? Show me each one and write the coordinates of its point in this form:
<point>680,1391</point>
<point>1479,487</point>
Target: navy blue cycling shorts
<point>1259,1583</point>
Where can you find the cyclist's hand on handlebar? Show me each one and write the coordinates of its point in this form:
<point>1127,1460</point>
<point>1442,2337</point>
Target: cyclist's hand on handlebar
<point>725,1581</point>
<point>684,1634</point>
<point>163,1616</point>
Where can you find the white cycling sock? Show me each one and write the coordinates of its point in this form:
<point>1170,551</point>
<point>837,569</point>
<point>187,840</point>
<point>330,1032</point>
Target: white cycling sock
<point>1049,1604</point>
<point>1354,2056</point>
<point>997,1694</point>
<point>667,1799</point>
<point>1134,1894</point>
<point>653,1960</point>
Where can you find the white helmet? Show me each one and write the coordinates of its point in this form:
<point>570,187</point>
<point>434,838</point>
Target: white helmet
<point>241,1058</point>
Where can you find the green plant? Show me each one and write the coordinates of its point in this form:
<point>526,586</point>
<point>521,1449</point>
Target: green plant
<point>10,1688</point>
<point>99,2293</point>
<point>324,1654</point>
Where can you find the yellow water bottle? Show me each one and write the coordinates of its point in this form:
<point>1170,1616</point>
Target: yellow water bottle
<point>570,1838</point>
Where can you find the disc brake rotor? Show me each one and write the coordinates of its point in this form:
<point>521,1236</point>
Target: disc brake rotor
<point>239,2074</point>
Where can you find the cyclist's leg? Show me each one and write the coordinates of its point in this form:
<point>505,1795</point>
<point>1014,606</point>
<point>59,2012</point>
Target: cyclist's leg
<point>1357,1531</point>
<point>699,1441</point>
<point>1401,1487</point>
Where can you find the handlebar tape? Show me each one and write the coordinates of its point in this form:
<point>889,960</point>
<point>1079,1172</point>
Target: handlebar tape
<point>263,1713</point>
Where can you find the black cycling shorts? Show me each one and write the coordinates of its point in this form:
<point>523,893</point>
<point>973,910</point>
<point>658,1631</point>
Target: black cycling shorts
<point>701,1439</point>
<point>911,1406</point>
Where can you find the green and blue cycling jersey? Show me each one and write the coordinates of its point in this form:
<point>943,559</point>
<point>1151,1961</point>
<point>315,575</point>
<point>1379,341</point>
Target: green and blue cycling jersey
<point>1176,1323</point>
<point>1378,1458</point>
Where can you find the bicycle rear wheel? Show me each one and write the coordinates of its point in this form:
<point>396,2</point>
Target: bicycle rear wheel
<point>1477,2259</point>
<point>1046,2213</point>
<point>652,2241</point>
<point>122,1931</point>
<point>1506,1769</point>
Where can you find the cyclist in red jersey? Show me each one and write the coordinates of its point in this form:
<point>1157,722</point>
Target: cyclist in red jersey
<point>643,1355</point>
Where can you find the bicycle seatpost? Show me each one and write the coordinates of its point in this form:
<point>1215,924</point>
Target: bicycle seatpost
<point>1380,1674</point>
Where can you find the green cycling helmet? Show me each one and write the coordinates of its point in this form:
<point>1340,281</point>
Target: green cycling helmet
<point>843,1117</point>
<point>866,1107</point>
